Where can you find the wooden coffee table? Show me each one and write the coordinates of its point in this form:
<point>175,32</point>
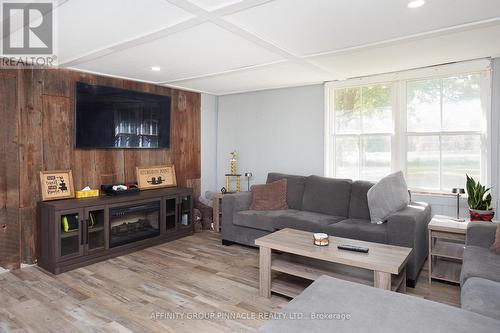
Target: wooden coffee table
<point>387,262</point>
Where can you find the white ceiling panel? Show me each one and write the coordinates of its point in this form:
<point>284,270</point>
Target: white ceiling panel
<point>459,46</point>
<point>316,26</point>
<point>90,25</point>
<point>265,77</point>
<point>227,46</point>
<point>213,4</point>
<point>200,50</point>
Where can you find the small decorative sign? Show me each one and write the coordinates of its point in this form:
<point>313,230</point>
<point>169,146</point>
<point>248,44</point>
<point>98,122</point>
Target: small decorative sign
<point>56,185</point>
<point>155,177</point>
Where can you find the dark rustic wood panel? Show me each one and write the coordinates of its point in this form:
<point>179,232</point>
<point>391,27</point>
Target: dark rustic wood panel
<point>56,82</point>
<point>57,133</point>
<point>31,145</point>
<point>9,174</point>
<point>109,167</point>
<point>31,159</point>
<point>28,235</point>
<point>108,81</point>
<point>45,109</point>
<point>83,168</point>
<point>82,77</point>
<point>138,86</point>
<point>186,135</point>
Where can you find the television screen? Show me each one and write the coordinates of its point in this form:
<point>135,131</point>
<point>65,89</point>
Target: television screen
<point>116,118</point>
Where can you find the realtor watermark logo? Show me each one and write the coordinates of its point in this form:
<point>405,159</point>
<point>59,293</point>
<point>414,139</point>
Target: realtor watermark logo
<point>28,33</point>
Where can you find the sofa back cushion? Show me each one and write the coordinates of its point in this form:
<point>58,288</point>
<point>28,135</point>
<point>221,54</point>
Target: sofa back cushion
<point>327,195</point>
<point>358,205</point>
<point>295,188</point>
<point>388,196</point>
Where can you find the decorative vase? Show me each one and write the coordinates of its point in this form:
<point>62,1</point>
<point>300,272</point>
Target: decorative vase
<point>481,215</point>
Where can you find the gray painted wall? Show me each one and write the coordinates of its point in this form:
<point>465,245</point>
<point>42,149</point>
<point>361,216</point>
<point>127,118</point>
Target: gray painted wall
<point>208,142</point>
<point>273,130</point>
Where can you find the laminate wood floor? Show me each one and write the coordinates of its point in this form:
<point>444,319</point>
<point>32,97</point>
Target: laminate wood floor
<point>191,281</point>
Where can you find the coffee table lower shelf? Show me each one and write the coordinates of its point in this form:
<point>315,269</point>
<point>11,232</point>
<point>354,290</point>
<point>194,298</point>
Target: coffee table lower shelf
<point>297,276</point>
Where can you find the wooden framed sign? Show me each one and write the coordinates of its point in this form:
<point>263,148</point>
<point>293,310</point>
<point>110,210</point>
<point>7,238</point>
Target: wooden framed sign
<point>56,185</point>
<point>155,177</point>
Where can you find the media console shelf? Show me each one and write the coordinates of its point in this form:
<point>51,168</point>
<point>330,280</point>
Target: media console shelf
<point>78,232</point>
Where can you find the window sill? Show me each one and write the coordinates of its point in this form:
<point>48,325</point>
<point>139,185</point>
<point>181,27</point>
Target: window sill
<point>437,194</point>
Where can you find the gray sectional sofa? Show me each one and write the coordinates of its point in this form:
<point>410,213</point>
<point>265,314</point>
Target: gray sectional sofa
<point>333,305</point>
<point>480,276</point>
<point>337,207</point>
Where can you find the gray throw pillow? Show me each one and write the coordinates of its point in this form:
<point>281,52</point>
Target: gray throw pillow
<point>387,196</point>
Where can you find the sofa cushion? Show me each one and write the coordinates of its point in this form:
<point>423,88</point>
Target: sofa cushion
<point>481,296</point>
<point>480,262</point>
<point>358,205</point>
<point>270,196</point>
<point>359,229</point>
<point>495,247</point>
<point>387,196</point>
<point>350,307</point>
<point>307,221</point>
<point>273,220</point>
<point>327,195</point>
<point>295,188</point>
<point>258,219</point>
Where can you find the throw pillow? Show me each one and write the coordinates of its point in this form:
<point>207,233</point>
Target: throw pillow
<point>387,196</point>
<point>270,196</point>
<point>496,245</point>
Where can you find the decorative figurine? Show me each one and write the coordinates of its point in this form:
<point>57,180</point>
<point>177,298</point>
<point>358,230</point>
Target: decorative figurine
<point>233,162</point>
<point>233,174</point>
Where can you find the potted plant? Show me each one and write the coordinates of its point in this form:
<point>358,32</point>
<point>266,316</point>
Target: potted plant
<point>479,201</point>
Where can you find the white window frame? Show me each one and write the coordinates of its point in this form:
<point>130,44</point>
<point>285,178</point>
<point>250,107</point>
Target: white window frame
<point>331,120</point>
<point>398,81</point>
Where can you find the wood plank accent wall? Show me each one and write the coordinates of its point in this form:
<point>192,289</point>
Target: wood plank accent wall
<point>37,133</point>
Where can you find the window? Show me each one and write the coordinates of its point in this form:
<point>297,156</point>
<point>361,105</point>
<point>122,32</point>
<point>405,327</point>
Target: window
<point>443,131</point>
<point>363,131</point>
<point>428,123</point>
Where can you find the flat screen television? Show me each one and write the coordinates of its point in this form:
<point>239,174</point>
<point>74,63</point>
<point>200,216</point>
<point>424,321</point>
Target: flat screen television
<point>109,117</point>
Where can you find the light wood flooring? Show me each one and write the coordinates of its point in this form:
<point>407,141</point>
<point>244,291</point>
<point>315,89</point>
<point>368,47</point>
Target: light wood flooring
<point>192,276</point>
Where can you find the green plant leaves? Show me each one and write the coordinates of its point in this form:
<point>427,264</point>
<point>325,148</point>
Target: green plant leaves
<point>479,198</point>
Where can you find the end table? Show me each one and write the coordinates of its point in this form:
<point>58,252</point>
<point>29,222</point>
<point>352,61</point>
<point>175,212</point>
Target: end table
<point>446,247</point>
<point>217,211</point>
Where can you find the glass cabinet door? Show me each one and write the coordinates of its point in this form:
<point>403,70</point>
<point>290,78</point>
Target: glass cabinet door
<point>69,234</point>
<point>94,219</point>
<point>185,211</point>
<point>170,214</point>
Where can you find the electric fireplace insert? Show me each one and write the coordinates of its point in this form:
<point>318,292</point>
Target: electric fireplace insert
<point>133,223</point>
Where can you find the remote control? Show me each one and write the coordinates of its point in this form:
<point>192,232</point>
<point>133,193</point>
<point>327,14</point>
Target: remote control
<point>353,248</point>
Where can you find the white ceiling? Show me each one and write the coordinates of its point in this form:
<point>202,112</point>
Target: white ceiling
<point>228,46</point>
